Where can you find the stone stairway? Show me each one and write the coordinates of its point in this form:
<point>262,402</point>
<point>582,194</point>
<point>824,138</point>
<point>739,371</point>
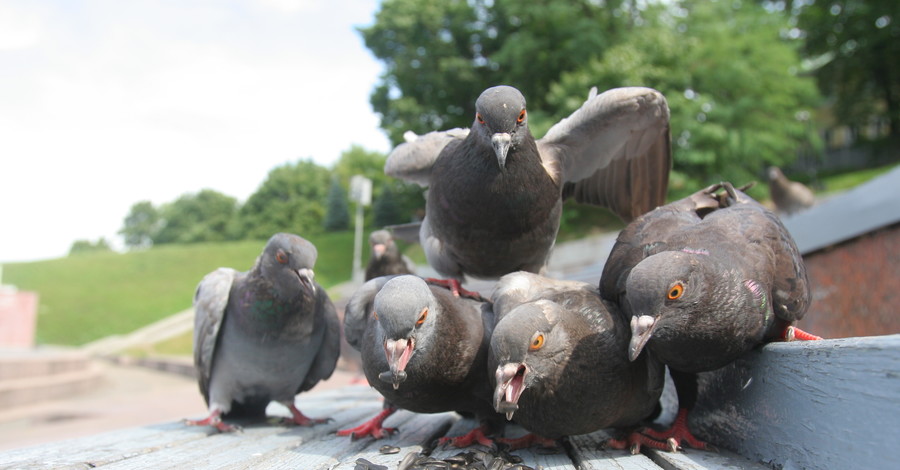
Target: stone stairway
<point>29,376</point>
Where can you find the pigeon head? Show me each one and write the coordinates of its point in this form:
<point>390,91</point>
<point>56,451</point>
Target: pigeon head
<point>380,241</point>
<point>679,299</point>
<point>526,345</point>
<point>406,311</point>
<point>287,261</point>
<point>501,120</point>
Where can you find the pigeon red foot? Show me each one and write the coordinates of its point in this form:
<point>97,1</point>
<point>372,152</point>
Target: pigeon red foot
<point>677,434</point>
<point>792,333</point>
<point>477,435</point>
<point>215,420</point>
<point>300,419</point>
<point>456,288</point>
<point>635,440</point>
<point>371,427</point>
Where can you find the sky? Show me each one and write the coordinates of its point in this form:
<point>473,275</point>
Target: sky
<point>105,103</point>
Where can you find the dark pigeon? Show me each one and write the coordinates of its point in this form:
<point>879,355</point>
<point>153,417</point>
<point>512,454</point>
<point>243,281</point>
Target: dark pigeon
<point>263,335</point>
<point>788,196</point>
<point>702,281</point>
<point>386,258</point>
<point>559,355</point>
<point>495,194</point>
<point>422,348</point>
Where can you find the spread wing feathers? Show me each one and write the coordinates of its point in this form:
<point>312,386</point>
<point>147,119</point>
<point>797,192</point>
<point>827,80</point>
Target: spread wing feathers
<point>210,301</point>
<point>614,151</point>
<point>326,357</point>
<point>356,313</point>
<point>412,160</point>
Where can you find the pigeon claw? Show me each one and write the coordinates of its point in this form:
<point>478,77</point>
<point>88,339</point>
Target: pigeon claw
<point>676,435</point>
<point>215,420</point>
<point>371,427</point>
<point>299,419</point>
<point>476,435</point>
<point>456,288</point>
<point>792,333</point>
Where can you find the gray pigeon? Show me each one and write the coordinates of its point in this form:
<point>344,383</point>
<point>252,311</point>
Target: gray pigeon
<point>386,258</point>
<point>560,362</point>
<point>422,348</point>
<point>702,281</point>
<point>789,196</point>
<point>263,335</point>
<point>495,194</point>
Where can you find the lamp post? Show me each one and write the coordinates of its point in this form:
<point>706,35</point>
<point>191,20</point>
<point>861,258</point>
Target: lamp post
<point>361,194</point>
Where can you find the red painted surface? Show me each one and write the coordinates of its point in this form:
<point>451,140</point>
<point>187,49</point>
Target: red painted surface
<point>856,287</point>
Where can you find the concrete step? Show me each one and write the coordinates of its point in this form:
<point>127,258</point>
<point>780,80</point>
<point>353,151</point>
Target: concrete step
<point>30,376</point>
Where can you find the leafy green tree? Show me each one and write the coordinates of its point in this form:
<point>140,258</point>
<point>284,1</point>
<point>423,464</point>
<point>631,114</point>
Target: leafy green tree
<point>206,216</point>
<point>141,225</point>
<point>291,199</point>
<point>408,198</point>
<point>732,81</point>
<point>855,44</point>
<point>80,247</point>
<point>439,54</point>
<point>338,215</point>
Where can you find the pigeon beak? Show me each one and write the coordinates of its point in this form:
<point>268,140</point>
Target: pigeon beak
<point>378,249</point>
<point>306,279</point>
<point>641,329</point>
<point>510,385</point>
<point>397,353</point>
<point>501,142</point>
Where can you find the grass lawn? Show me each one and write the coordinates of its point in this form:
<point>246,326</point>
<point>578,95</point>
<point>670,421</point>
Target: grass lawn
<point>89,296</point>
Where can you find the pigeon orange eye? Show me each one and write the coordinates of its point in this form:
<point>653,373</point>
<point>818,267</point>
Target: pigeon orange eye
<point>374,314</point>
<point>422,317</point>
<point>281,257</point>
<point>521,117</point>
<point>675,291</point>
<point>479,118</point>
<point>537,342</point>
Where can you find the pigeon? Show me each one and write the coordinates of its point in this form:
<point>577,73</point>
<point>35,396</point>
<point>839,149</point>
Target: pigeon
<point>560,362</point>
<point>702,281</point>
<point>789,196</point>
<point>495,193</point>
<point>423,349</point>
<point>386,257</point>
<point>263,335</point>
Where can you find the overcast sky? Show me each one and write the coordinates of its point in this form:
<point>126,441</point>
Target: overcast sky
<point>105,103</point>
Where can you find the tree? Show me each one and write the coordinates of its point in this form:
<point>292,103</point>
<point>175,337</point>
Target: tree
<point>386,211</point>
<point>732,81</point>
<point>141,225</point>
<point>439,54</point>
<point>80,247</point>
<point>291,199</point>
<point>338,215</point>
<point>408,198</point>
<point>855,44</point>
<point>206,216</point>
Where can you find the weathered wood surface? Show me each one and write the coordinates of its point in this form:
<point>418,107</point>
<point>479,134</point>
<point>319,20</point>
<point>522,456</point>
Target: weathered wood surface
<point>817,404</point>
<point>825,404</point>
<point>270,445</point>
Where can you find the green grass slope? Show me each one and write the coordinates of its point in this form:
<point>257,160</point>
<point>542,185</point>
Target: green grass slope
<point>89,296</point>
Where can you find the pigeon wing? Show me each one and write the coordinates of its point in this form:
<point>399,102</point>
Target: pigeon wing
<point>412,160</point>
<point>210,301</point>
<point>614,151</point>
<point>326,357</point>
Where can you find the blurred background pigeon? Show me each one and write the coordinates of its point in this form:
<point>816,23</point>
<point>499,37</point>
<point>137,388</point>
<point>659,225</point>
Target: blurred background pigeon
<point>495,194</point>
<point>559,355</point>
<point>788,196</point>
<point>702,281</point>
<point>386,258</point>
<point>263,335</point>
<point>423,349</point>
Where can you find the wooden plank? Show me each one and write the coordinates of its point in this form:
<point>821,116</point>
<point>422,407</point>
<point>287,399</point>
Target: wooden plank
<point>807,404</point>
<point>589,454</point>
<point>691,459</point>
